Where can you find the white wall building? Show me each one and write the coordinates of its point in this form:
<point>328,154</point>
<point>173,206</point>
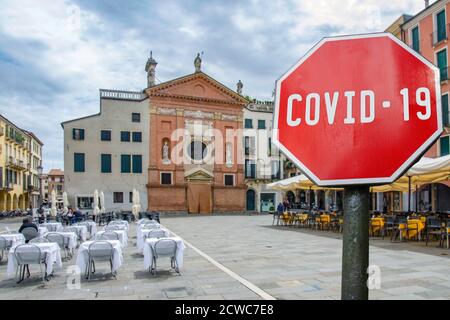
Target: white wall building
<point>108,152</point>
<point>263,160</point>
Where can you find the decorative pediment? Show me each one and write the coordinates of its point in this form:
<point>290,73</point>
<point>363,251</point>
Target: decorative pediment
<point>198,174</point>
<point>197,86</point>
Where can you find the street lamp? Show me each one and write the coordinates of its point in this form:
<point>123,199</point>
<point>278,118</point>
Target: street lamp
<point>39,170</point>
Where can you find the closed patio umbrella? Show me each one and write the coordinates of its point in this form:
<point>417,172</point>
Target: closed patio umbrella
<point>53,209</point>
<point>65,202</point>
<point>102,202</point>
<point>96,208</point>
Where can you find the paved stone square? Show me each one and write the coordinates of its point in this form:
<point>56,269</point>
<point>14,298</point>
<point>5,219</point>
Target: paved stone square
<point>245,257</point>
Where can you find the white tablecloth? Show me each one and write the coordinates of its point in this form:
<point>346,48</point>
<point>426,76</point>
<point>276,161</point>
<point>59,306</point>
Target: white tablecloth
<point>121,223</point>
<point>15,238</point>
<point>53,257</point>
<point>123,237</point>
<point>71,237</point>
<point>141,233</point>
<point>118,226</point>
<point>93,226</point>
<point>49,226</point>
<point>82,231</point>
<point>42,231</point>
<point>82,257</point>
<point>148,254</point>
<point>140,226</point>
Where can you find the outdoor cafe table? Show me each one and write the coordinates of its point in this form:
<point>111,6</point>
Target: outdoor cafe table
<point>70,237</point>
<point>148,252</point>
<point>53,257</point>
<point>93,227</point>
<point>142,233</point>
<point>377,224</point>
<point>42,231</point>
<point>82,256</point>
<point>82,232</point>
<point>123,237</point>
<point>52,226</point>
<point>412,223</point>
<point>15,238</point>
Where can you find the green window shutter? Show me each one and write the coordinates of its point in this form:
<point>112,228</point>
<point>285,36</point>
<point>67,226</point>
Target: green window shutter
<point>248,123</point>
<point>137,136</point>
<point>442,64</point>
<point>137,164</point>
<point>125,163</point>
<point>106,163</point>
<point>261,124</point>
<point>125,136</point>
<point>78,162</point>
<point>415,39</point>
<point>444,102</point>
<point>440,25</point>
<point>445,146</point>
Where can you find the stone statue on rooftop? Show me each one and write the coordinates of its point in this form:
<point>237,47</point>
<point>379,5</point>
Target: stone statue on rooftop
<point>198,63</point>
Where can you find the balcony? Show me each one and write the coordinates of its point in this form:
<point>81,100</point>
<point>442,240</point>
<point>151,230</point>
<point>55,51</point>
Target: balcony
<point>8,186</point>
<point>439,36</point>
<point>122,95</point>
<point>16,164</point>
<point>2,131</point>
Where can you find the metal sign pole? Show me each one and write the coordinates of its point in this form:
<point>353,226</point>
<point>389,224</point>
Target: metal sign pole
<point>355,246</point>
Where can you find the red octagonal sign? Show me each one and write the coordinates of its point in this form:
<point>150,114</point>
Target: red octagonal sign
<point>357,110</point>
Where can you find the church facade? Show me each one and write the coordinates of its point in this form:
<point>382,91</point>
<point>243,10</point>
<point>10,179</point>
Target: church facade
<point>195,144</point>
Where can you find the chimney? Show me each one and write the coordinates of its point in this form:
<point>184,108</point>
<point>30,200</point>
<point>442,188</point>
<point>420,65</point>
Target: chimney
<point>427,3</point>
<point>150,68</point>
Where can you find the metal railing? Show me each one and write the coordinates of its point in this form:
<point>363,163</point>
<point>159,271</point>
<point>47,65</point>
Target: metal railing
<point>122,95</point>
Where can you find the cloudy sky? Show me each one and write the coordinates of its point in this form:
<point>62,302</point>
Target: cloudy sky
<point>56,54</point>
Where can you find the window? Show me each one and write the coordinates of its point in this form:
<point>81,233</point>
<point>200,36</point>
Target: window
<point>118,197</point>
<point>82,202</point>
<point>78,134</point>
<point>136,117</point>
<point>445,146</point>
<point>125,136</point>
<point>269,147</point>
<point>78,162</point>
<point>248,123</point>
<point>137,136</point>
<point>106,163</point>
<point>275,169</point>
<point>125,163</point>
<point>441,32</point>
<point>229,179</point>
<point>131,196</point>
<point>197,150</point>
<point>250,169</point>
<point>166,178</point>
<point>415,39</point>
<point>249,144</point>
<point>441,58</point>
<point>137,164</point>
<point>445,114</point>
<point>261,124</point>
<point>105,135</point>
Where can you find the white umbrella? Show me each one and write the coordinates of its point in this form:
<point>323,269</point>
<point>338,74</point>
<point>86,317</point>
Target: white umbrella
<point>65,202</point>
<point>53,210</point>
<point>135,207</point>
<point>102,202</point>
<point>96,208</point>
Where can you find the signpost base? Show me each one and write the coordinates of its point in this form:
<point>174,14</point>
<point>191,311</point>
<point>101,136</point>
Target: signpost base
<point>355,246</point>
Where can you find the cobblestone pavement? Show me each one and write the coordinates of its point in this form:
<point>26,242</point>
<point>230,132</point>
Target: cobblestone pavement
<point>282,262</point>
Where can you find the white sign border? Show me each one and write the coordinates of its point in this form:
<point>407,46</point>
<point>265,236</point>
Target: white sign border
<point>373,181</point>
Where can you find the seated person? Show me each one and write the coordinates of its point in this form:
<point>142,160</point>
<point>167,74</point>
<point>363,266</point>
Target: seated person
<point>28,222</point>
